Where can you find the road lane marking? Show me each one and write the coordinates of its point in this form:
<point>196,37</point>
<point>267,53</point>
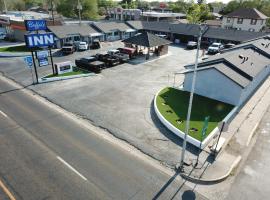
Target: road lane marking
<point>4,114</point>
<point>70,167</point>
<point>8,193</point>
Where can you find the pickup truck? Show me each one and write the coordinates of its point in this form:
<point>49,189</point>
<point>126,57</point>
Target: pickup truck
<point>89,63</point>
<point>108,59</point>
<point>116,53</point>
<point>68,48</point>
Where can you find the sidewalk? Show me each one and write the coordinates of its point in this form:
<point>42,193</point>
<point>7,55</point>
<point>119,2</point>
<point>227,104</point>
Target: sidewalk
<point>237,145</point>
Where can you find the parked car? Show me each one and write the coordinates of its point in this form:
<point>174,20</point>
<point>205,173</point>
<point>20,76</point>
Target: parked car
<point>215,48</point>
<point>83,46</point>
<point>95,45</point>
<point>88,63</point>
<point>108,59</point>
<point>116,53</point>
<point>68,48</point>
<point>130,51</point>
<point>229,45</point>
<point>192,45</point>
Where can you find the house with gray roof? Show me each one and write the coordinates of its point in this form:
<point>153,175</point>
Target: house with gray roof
<point>113,30</point>
<point>234,75</point>
<point>74,33</point>
<point>248,19</point>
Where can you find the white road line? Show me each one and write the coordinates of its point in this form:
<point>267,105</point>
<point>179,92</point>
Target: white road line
<point>2,113</point>
<point>70,167</point>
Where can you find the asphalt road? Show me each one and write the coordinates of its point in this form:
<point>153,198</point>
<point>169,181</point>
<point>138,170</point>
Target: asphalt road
<point>45,155</point>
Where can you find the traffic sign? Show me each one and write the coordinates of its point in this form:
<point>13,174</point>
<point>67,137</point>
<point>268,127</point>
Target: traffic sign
<point>28,61</point>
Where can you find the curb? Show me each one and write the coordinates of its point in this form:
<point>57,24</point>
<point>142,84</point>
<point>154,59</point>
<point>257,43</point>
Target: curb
<point>11,55</point>
<point>234,165</point>
<point>47,80</point>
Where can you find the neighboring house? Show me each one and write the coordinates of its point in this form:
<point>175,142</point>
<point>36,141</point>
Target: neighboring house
<point>74,33</point>
<point>114,30</point>
<point>247,19</point>
<point>234,75</point>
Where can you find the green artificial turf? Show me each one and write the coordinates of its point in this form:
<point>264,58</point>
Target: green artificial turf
<point>173,105</point>
<point>76,71</point>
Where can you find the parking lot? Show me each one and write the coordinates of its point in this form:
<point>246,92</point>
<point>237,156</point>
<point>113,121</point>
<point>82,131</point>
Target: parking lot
<point>119,99</point>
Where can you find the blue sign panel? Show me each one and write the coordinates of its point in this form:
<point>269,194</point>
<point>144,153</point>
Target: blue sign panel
<point>42,57</point>
<point>35,25</point>
<point>39,40</point>
<point>28,61</point>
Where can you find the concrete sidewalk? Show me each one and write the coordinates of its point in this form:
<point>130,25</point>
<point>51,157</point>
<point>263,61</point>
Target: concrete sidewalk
<point>238,141</point>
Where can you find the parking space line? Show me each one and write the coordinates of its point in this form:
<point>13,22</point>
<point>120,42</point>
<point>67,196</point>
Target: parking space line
<point>2,113</point>
<point>8,193</point>
<point>71,168</point>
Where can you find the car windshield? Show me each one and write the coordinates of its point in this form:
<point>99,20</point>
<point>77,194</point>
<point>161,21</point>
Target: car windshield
<point>215,45</point>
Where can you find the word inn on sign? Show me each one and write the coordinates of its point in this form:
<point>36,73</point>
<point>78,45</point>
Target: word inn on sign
<point>39,40</point>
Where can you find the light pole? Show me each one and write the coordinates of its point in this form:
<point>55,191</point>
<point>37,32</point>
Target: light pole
<point>202,30</point>
<point>5,5</point>
<point>52,11</point>
<point>79,7</point>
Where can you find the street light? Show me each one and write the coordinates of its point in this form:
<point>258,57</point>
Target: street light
<point>202,31</point>
<point>79,7</point>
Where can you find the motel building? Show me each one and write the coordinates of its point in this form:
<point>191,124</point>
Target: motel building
<point>233,76</point>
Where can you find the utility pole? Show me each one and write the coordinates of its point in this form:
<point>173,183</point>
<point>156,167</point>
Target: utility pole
<point>52,11</point>
<point>202,30</point>
<point>79,7</point>
<point>5,5</point>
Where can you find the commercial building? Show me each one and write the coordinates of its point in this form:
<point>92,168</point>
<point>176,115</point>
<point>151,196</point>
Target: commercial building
<point>75,33</point>
<point>247,19</point>
<point>114,30</point>
<point>233,76</point>
<point>124,14</point>
<point>161,16</point>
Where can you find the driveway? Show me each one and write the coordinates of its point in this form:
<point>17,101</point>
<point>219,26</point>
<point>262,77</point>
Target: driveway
<point>119,99</point>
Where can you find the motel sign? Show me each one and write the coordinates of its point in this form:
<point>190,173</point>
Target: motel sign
<point>39,40</point>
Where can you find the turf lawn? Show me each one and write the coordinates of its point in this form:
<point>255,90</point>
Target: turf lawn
<point>173,105</point>
<point>76,71</point>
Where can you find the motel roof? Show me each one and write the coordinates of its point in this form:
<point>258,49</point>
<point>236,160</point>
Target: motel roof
<point>242,63</point>
<point>67,30</point>
<point>107,27</point>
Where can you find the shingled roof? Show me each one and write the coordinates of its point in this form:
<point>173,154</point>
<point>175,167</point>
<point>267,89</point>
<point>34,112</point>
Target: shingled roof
<point>107,27</point>
<point>151,26</point>
<point>147,40</point>
<point>247,13</point>
<point>64,31</point>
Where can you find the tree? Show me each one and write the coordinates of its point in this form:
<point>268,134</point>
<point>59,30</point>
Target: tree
<point>198,13</point>
<point>68,8</point>
<point>180,6</point>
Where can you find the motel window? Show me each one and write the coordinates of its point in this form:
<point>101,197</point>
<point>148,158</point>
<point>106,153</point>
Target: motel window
<point>240,21</point>
<point>228,20</point>
<point>253,21</point>
<point>116,33</point>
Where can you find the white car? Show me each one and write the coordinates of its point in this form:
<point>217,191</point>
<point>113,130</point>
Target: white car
<point>83,46</point>
<point>215,48</point>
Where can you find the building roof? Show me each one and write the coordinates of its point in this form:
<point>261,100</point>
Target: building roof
<point>147,40</point>
<point>67,30</point>
<point>152,26</point>
<point>247,13</point>
<point>231,34</point>
<point>242,63</point>
<point>213,22</point>
<point>108,27</point>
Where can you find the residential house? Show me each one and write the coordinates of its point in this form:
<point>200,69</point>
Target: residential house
<point>247,19</point>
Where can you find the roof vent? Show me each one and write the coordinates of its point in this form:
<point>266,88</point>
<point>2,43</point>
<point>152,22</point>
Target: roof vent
<point>241,56</point>
<point>263,44</point>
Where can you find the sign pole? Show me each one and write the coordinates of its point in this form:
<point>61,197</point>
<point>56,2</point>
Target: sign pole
<point>221,129</point>
<point>35,67</point>
<point>52,61</point>
<point>32,75</point>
